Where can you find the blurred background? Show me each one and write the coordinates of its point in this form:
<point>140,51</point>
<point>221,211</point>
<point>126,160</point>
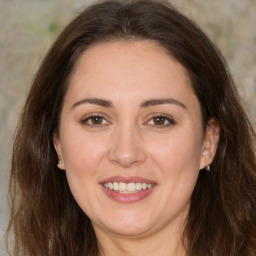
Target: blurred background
<point>28,27</point>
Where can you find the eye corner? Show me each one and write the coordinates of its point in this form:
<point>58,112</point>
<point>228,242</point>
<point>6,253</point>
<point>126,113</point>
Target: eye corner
<point>160,120</point>
<point>95,120</point>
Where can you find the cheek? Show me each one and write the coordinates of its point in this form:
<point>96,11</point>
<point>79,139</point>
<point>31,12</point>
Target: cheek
<point>178,161</point>
<point>178,152</point>
<point>82,156</point>
<point>81,153</point>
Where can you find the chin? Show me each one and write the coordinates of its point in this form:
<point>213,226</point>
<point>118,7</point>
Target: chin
<point>132,231</point>
<point>128,226</point>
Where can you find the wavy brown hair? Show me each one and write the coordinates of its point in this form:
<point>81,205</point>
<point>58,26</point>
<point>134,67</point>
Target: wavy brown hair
<point>46,220</point>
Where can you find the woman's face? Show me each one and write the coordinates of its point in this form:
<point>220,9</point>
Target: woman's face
<point>131,139</point>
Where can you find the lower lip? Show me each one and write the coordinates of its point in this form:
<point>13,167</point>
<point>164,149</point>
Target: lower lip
<point>128,198</point>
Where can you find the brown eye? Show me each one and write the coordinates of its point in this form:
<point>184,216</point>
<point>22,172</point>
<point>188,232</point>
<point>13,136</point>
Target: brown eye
<point>159,120</point>
<point>96,120</point>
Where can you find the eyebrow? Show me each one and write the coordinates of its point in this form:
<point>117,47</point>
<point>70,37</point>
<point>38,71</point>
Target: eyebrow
<point>95,101</point>
<point>144,104</point>
<point>154,102</point>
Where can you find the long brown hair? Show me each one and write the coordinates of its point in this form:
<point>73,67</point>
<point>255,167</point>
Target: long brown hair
<point>46,220</point>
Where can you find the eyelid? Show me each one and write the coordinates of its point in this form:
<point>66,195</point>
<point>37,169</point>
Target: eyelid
<point>161,115</point>
<point>87,117</point>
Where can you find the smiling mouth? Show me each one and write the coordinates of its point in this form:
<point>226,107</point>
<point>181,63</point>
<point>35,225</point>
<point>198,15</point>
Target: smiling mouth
<point>127,188</point>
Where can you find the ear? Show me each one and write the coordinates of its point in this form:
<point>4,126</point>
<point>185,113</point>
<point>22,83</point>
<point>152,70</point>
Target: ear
<point>211,139</point>
<point>57,146</point>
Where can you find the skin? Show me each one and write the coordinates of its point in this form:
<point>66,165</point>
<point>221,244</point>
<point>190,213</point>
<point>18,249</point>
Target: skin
<point>128,141</point>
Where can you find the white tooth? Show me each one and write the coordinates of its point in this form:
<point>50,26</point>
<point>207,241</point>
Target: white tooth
<point>126,188</point>
<point>144,186</point>
<point>131,187</point>
<point>110,185</point>
<point>122,186</point>
<point>138,186</point>
<point>115,186</point>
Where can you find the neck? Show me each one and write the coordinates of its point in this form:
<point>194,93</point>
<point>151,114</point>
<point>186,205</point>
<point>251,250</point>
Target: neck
<point>139,247</point>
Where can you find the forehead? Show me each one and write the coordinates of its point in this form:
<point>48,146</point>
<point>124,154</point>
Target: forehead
<point>130,68</point>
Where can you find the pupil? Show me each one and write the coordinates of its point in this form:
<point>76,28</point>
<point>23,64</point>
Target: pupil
<point>159,120</point>
<point>96,120</point>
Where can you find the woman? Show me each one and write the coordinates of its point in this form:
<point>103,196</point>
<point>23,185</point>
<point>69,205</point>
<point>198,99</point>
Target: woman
<point>133,142</point>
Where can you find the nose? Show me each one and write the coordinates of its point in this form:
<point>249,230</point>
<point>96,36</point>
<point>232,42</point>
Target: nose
<point>127,149</point>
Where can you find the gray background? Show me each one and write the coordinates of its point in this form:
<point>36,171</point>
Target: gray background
<point>27,28</point>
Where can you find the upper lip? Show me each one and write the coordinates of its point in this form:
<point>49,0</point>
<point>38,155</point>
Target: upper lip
<point>127,179</point>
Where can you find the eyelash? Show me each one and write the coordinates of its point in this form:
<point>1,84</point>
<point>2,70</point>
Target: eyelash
<point>86,120</point>
<point>162,117</point>
<point>170,121</point>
